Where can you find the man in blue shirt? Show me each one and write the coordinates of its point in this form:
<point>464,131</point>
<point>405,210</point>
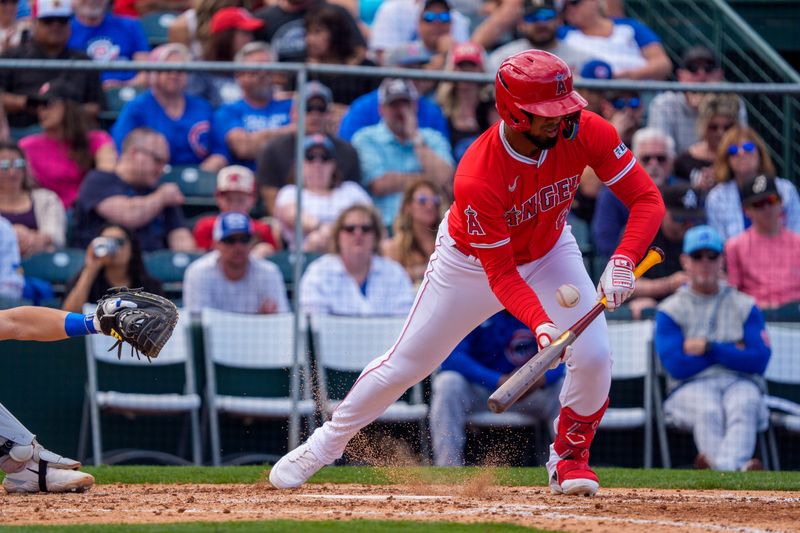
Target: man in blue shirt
<point>241,129</point>
<point>479,364</point>
<point>712,341</point>
<point>107,37</point>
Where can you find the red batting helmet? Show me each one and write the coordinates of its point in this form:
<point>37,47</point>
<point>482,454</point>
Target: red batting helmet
<point>537,82</point>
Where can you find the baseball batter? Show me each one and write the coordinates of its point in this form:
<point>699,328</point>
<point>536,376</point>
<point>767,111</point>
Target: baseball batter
<point>505,243</point>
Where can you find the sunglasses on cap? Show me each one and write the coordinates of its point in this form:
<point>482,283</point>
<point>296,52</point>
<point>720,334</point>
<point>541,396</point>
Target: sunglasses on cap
<point>621,103</point>
<point>6,164</point>
<point>694,68</point>
<point>540,15</point>
<point>661,158</point>
<point>241,238</point>
<point>365,228</point>
<point>432,16</point>
<point>769,200</point>
<point>319,108</point>
<point>747,147</point>
<point>424,199</point>
<point>709,255</point>
<point>318,156</point>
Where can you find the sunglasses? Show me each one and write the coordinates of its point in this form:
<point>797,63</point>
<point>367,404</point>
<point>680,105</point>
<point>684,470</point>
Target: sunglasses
<point>365,228</point>
<point>432,16</point>
<point>424,199</point>
<point>709,255</point>
<point>694,68</point>
<point>318,108</point>
<point>6,164</point>
<point>540,15</point>
<point>661,158</point>
<point>242,238</point>
<point>720,127</point>
<point>155,156</point>
<point>747,147</point>
<point>633,102</point>
<point>324,157</point>
<point>54,20</point>
<point>769,200</point>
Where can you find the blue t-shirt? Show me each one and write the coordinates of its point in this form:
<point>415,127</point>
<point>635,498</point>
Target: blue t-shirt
<point>188,136</point>
<point>364,111</point>
<point>115,38</point>
<point>242,115</point>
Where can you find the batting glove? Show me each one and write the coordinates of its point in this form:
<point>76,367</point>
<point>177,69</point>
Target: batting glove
<point>617,282</point>
<point>546,333</point>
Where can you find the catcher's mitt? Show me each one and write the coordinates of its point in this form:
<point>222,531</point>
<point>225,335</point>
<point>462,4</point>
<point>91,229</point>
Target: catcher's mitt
<point>142,319</point>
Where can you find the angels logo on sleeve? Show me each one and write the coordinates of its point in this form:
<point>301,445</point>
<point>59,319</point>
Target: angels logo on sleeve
<point>473,226</point>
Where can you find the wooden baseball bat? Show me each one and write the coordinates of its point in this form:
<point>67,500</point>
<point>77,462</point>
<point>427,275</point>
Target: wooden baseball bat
<point>523,379</point>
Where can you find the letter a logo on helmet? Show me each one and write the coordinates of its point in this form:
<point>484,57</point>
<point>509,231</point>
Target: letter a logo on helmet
<point>524,86</point>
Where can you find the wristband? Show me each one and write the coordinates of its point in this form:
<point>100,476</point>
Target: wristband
<point>78,325</point>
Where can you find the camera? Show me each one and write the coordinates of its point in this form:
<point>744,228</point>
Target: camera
<point>103,246</point>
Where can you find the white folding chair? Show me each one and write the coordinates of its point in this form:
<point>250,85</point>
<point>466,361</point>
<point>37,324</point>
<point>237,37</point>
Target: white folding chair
<point>255,343</point>
<point>345,345</point>
<point>631,344</point>
<point>184,399</point>
<point>783,374</point>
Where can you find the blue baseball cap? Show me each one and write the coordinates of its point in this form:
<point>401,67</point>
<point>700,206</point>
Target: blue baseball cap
<point>702,238</point>
<point>231,223</point>
<point>596,70</point>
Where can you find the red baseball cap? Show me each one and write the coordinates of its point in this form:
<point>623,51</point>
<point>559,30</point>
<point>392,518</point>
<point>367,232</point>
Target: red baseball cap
<point>468,53</point>
<point>234,18</point>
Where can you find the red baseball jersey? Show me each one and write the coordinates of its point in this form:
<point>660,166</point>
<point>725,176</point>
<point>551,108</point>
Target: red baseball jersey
<point>510,209</point>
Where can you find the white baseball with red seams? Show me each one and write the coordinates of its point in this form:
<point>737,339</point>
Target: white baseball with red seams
<point>568,295</point>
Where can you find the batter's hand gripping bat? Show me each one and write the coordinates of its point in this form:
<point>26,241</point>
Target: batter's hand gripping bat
<point>523,379</point>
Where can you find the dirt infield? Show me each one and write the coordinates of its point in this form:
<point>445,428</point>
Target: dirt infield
<point>612,510</point>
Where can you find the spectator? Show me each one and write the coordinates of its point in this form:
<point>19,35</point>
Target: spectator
<point>107,37</point>
<point>284,27</point>
<point>655,151</point>
<point>355,279</point>
<point>229,278</point>
<point>166,107</point>
<point>113,259</point>
<point>137,8</point>
<point>236,192</point>
<point>132,197</point>
<point>711,339</point>
<point>13,30</point>
<point>414,236</point>
<point>364,111</point>
<point>243,127</point>
<point>396,151</point>
<point>684,210</point>
<point>762,261</point>
<point>677,113</point>
<point>399,22</point>
<point>324,196</point>
<point>480,363</point>
<point>632,49</point>
<point>742,155</point>
<point>231,29</point>
<point>66,149</point>
<point>468,106</point>
<point>192,27</point>
<point>276,159</point>
<point>717,114</point>
<point>11,282</point>
<point>537,28</point>
<point>330,40</point>
<point>36,214</point>
<point>49,41</point>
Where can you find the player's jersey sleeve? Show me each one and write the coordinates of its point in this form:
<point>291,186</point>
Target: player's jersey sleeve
<point>607,154</point>
<point>481,212</point>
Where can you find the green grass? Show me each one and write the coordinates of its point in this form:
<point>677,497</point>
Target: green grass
<point>284,526</point>
<point>610,477</point>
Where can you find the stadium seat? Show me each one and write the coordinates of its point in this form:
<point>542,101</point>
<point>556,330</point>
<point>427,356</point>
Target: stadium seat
<point>285,262</point>
<point>116,98</point>
<point>197,185</point>
<point>786,313</point>
<point>56,268</point>
<point>249,360</point>
<point>169,267</point>
<point>783,383</point>
<point>19,133</point>
<point>343,346</point>
<point>165,388</point>
<point>156,26</point>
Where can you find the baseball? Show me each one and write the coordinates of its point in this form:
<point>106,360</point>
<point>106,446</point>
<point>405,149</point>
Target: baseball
<point>567,295</point>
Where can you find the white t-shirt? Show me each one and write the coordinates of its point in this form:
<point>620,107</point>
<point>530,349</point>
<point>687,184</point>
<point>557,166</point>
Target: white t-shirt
<point>10,280</point>
<point>327,287</point>
<point>205,285</point>
<point>622,49</point>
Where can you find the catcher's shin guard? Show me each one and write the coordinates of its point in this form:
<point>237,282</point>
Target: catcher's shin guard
<point>571,474</point>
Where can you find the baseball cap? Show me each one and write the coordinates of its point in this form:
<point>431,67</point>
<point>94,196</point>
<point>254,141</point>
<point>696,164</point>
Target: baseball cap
<point>407,54</point>
<point>55,89</point>
<point>467,52</point>
<point>702,238</point>
<point>698,53</point>
<point>236,178</point>
<point>234,18</point>
<point>52,9</point>
<point>231,223</point>
<point>318,141</point>
<point>394,89</point>
<point>532,6</point>
<point>758,188</point>
<point>596,70</point>
<point>315,89</point>
<point>684,202</point>
<point>429,3</point>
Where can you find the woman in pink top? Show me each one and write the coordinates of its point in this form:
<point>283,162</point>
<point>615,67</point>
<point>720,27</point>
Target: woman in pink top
<point>66,150</point>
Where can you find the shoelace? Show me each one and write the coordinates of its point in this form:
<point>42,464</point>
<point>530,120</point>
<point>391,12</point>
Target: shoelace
<point>307,460</point>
